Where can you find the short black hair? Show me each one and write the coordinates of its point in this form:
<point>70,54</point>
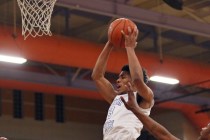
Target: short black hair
<point>146,78</point>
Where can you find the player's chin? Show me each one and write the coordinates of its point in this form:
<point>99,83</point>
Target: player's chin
<point>119,92</point>
<point>122,92</point>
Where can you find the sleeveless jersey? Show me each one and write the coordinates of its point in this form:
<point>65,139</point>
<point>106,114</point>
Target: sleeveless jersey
<point>122,124</point>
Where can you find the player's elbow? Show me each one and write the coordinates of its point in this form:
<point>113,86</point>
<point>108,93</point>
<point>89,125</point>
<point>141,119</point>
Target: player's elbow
<point>94,76</point>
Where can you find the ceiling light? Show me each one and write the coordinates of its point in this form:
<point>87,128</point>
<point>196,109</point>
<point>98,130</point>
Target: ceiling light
<point>165,80</point>
<point>12,59</point>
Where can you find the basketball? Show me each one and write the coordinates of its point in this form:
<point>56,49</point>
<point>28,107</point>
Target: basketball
<point>115,28</point>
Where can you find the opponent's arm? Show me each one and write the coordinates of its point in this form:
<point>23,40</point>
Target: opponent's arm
<point>156,129</point>
<point>135,67</point>
<point>104,86</point>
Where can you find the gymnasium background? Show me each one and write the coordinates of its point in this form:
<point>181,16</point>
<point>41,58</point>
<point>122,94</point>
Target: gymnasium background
<point>52,96</point>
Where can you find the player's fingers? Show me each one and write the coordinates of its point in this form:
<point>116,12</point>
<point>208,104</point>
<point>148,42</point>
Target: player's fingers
<point>123,33</point>
<point>129,30</point>
<point>136,32</point>
<point>131,95</point>
<point>123,100</point>
<point>129,85</point>
<point>136,43</point>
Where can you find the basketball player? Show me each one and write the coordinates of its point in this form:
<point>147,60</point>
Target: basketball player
<point>156,129</point>
<point>122,124</point>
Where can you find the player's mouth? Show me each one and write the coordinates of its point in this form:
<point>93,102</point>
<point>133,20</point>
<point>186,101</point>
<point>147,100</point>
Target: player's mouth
<point>118,87</point>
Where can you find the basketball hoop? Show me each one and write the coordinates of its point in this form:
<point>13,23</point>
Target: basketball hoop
<point>36,17</point>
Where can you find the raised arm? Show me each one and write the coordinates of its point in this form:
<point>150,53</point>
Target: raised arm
<point>104,86</point>
<point>135,67</point>
<point>156,129</point>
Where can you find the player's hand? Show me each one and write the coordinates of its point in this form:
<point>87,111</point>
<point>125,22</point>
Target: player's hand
<point>131,37</point>
<point>109,44</point>
<point>131,104</point>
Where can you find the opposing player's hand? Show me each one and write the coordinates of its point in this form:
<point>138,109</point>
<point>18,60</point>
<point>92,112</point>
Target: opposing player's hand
<point>131,104</point>
<point>131,37</point>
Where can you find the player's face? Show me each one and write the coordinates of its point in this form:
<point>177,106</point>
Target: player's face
<point>205,133</point>
<point>123,80</point>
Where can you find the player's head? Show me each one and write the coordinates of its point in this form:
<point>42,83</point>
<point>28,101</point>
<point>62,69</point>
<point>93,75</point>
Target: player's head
<point>205,133</point>
<point>125,77</point>
<point>146,78</point>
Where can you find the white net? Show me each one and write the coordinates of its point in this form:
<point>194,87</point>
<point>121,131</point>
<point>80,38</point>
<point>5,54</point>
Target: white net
<point>36,17</point>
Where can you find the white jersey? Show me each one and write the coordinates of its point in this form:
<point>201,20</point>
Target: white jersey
<point>122,124</point>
